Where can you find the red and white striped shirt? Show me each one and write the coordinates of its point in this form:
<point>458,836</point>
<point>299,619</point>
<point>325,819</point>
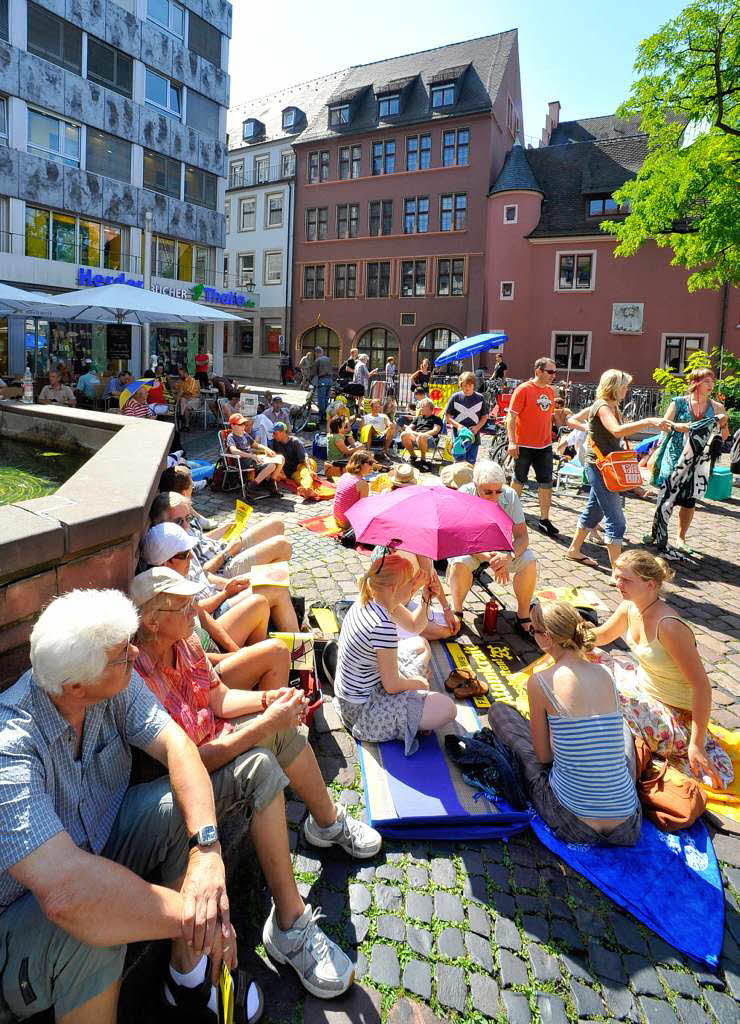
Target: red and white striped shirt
<point>134,408</point>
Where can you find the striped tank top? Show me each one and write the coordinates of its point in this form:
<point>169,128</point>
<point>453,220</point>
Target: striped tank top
<point>589,775</point>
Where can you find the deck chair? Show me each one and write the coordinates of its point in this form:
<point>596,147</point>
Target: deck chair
<point>573,471</point>
<point>234,467</point>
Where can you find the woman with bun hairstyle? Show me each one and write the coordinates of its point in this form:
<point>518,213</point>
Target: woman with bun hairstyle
<point>667,697</point>
<point>377,696</point>
<point>576,754</point>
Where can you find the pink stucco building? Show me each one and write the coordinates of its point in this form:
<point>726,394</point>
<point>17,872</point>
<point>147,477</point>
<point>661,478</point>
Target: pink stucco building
<point>552,281</point>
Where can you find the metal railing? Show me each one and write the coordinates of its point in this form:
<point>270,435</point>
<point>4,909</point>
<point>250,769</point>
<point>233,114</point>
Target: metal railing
<point>242,177</point>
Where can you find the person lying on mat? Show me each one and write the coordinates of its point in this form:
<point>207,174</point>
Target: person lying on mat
<point>258,742</point>
<point>667,701</point>
<point>352,485</point>
<point>258,544</point>
<point>297,465</point>
<point>339,442</point>
<point>379,689</point>
<point>489,482</point>
<point>241,442</point>
<point>576,753</point>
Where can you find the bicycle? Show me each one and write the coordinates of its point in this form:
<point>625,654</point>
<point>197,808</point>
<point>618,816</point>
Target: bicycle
<point>300,416</point>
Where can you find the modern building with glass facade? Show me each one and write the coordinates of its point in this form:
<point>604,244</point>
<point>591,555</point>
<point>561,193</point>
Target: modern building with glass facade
<point>112,168</point>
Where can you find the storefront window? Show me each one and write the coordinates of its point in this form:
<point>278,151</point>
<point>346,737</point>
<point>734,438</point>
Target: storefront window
<point>202,265</point>
<point>63,232</point>
<point>112,248</point>
<point>184,261</point>
<point>173,347</point>
<point>271,338</point>
<point>37,233</point>
<point>244,338</point>
<point>163,257</point>
<point>90,243</point>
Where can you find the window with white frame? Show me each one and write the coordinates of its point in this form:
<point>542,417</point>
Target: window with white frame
<point>339,115</point>
<point>261,169</point>
<point>162,94</point>
<point>248,214</point>
<point>236,174</point>
<point>287,164</point>
<point>289,116</point>
<point>570,351</point>
<point>245,269</point>
<point>678,347</point>
<point>168,14</point>
<point>274,210</point>
<point>575,271</point>
<point>348,220</point>
<point>443,95</point>
<point>389,106</point>
<point>507,290</point>
<point>227,215</point>
<point>3,121</point>
<point>53,138</point>
<point>273,268</point>
<point>511,214</point>
<point>317,223</point>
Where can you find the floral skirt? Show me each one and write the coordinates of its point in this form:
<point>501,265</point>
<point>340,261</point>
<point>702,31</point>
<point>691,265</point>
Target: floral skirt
<point>666,730</point>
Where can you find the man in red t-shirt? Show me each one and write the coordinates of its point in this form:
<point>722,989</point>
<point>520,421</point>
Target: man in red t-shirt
<point>529,426</point>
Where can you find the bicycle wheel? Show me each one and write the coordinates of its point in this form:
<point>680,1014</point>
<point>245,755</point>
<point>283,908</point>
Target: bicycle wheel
<point>300,418</point>
<point>499,452</point>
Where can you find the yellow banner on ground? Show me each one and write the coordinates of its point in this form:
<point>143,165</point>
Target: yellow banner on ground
<point>492,664</point>
<point>726,801</point>
<point>326,620</point>
<point>241,515</point>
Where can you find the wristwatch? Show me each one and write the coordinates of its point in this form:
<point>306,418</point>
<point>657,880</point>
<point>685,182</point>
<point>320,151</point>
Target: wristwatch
<point>205,837</point>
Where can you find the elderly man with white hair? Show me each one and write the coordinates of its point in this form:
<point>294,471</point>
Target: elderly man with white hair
<point>422,430</point>
<point>78,843</point>
<point>489,482</point>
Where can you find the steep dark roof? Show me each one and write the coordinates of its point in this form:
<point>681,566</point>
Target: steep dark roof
<point>568,174</point>
<point>306,96</point>
<point>594,129</point>
<point>516,173</point>
<point>485,59</point>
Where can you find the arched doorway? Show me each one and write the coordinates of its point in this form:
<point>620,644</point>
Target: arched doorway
<point>378,343</point>
<point>323,336</point>
<point>434,342</point>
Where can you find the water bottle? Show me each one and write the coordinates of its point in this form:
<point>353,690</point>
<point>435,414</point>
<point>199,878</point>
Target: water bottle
<point>27,387</point>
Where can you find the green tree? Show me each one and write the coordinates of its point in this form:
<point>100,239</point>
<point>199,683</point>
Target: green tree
<point>687,95</point>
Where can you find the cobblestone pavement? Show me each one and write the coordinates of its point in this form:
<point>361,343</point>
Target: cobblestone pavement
<point>446,932</point>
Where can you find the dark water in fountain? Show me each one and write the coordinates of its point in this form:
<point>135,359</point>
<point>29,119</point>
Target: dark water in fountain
<point>29,470</point>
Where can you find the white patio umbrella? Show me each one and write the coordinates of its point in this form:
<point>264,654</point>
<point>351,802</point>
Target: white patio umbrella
<point>126,304</point>
<point>17,302</point>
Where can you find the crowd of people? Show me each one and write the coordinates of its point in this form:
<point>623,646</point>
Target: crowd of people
<point>103,848</point>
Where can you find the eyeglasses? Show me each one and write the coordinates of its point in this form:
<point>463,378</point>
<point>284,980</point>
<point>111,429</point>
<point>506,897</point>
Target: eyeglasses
<point>124,659</point>
<point>183,609</point>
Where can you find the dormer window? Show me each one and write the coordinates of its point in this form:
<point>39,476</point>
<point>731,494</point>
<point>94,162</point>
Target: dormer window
<point>389,106</point>
<point>339,115</point>
<point>252,129</point>
<point>443,95</point>
<point>289,117</point>
<point>605,206</point>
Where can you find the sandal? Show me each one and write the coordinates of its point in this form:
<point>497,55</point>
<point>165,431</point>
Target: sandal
<point>520,625</point>
<point>457,678</point>
<point>475,688</point>
<point>583,560</point>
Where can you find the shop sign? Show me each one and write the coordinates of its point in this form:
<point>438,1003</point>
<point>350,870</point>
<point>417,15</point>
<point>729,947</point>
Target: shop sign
<point>87,278</point>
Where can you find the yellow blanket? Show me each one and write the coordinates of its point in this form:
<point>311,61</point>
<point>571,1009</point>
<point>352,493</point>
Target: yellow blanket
<point>726,801</point>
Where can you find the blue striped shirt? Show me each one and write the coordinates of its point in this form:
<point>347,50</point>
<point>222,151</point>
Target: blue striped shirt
<point>365,630</point>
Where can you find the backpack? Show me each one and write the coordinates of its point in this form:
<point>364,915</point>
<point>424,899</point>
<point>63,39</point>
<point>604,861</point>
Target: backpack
<point>219,475</point>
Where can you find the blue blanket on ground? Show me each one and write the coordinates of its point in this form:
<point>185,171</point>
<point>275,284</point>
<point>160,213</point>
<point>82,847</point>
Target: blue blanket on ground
<point>669,882</point>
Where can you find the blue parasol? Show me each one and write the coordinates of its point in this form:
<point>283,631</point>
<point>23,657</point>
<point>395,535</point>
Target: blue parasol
<point>468,347</point>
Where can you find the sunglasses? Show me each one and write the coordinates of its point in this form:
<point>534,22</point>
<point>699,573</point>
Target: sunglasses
<point>551,372</point>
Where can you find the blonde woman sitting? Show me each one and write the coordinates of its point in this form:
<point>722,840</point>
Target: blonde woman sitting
<point>576,753</point>
<point>374,697</point>
<point>667,700</point>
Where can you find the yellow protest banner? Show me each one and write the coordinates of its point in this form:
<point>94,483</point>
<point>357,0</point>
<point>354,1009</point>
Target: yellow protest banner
<point>241,515</point>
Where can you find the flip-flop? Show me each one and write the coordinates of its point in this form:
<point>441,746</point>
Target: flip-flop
<point>458,677</point>
<point>476,688</point>
<point>583,560</point>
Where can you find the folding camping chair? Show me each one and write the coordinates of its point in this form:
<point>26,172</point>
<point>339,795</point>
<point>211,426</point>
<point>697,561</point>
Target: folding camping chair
<point>233,466</point>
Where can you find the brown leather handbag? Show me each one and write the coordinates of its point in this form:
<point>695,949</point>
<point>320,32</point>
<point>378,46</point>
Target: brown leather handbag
<point>670,799</point>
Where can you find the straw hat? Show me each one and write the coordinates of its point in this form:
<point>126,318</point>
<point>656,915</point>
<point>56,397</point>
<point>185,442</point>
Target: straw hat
<point>456,475</point>
<point>404,475</point>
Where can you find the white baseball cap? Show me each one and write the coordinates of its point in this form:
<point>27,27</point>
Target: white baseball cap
<point>165,540</point>
<point>161,580</point>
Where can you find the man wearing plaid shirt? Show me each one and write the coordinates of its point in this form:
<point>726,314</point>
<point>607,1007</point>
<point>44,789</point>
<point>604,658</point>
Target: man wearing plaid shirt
<point>76,842</point>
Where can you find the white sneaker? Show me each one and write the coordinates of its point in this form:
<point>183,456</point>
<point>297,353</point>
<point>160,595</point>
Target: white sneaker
<point>355,837</point>
<point>198,485</point>
<point>323,968</point>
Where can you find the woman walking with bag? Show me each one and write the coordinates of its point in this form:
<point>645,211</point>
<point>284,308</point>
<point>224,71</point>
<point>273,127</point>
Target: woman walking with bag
<point>683,467</point>
<point>605,433</point>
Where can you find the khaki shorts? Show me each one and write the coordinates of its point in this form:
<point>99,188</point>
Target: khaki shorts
<point>474,562</point>
<point>42,965</point>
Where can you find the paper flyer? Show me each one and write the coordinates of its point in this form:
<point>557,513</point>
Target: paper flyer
<point>241,516</point>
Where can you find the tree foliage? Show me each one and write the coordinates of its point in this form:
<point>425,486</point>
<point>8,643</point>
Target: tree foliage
<point>726,390</point>
<point>687,95</point>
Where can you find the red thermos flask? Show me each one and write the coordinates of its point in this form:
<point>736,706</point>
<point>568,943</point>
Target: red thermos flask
<point>490,615</point>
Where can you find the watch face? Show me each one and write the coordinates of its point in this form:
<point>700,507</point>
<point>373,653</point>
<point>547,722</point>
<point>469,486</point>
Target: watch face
<point>207,835</point>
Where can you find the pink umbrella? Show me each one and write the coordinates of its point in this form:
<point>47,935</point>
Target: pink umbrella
<point>435,521</point>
